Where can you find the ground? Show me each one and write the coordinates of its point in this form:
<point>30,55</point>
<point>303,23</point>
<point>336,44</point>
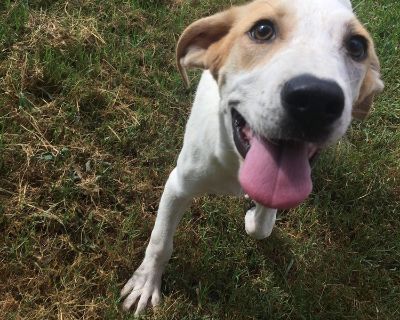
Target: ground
<point>92,113</point>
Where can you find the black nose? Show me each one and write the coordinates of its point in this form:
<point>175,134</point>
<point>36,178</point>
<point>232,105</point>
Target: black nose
<point>310,101</point>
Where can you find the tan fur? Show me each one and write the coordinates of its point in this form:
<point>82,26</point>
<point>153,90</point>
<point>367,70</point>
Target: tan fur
<point>248,54</point>
<point>208,42</point>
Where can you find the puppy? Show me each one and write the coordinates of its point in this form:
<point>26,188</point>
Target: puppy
<point>282,80</point>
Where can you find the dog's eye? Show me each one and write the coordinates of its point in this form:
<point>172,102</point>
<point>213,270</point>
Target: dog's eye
<point>357,47</point>
<point>262,31</point>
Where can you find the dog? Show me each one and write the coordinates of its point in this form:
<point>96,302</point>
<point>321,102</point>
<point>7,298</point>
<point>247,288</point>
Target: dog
<point>282,80</point>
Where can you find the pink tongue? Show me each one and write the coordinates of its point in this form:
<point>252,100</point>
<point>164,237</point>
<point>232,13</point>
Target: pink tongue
<point>276,176</point>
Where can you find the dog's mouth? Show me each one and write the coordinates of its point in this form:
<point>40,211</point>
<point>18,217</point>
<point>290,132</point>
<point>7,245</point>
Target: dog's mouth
<point>275,173</point>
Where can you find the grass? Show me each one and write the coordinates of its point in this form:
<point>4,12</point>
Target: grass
<point>92,113</point>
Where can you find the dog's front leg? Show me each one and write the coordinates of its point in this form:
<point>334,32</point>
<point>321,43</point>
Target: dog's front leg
<point>146,281</point>
<point>260,221</point>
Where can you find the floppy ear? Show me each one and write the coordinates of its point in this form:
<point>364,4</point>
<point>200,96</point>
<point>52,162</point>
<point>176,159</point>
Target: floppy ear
<point>199,45</point>
<point>371,86</point>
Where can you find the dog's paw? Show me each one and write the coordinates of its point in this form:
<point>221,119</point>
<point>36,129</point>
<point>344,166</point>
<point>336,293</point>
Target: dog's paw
<point>259,222</point>
<point>143,286</point>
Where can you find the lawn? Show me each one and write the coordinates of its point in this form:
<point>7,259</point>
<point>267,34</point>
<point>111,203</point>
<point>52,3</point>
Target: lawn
<point>92,113</point>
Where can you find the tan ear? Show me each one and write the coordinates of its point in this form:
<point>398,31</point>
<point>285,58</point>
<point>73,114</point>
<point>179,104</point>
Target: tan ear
<point>371,86</point>
<point>198,45</point>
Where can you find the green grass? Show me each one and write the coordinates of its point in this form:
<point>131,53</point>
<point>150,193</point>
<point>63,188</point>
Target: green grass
<point>92,113</point>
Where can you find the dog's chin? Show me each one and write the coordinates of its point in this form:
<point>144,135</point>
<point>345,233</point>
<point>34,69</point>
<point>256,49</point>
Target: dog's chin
<point>275,172</point>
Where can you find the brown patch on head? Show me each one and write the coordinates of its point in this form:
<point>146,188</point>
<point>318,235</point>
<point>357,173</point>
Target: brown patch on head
<point>246,52</point>
<point>372,83</point>
<point>209,42</point>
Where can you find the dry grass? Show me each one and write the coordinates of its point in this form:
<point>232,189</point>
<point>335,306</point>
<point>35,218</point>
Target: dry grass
<point>92,114</point>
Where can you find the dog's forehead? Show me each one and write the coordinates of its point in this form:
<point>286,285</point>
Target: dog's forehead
<point>316,4</point>
<point>307,13</point>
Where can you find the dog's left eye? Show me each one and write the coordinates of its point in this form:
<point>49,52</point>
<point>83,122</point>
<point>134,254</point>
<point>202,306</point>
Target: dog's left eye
<point>357,47</point>
<point>262,31</point>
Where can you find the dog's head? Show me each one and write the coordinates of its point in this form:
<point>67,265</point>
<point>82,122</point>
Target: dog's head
<point>291,74</point>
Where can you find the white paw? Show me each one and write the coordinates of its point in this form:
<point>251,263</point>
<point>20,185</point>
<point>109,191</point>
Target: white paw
<point>144,285</point>
<point>259,222</point>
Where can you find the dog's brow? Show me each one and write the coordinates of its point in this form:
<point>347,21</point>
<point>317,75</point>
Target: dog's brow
<point>268,3</point>
<point>355,28</point>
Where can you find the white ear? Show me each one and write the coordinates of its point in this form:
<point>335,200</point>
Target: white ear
<point>347,3</point>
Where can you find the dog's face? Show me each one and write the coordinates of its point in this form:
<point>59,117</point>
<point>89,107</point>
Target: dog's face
<point>290,72</point>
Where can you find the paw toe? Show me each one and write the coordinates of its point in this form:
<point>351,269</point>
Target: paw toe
<point>156,298</point>
<point>131,299</point>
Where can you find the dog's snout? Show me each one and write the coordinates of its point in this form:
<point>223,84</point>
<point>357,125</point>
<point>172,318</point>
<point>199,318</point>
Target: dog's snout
<point>309,100</point>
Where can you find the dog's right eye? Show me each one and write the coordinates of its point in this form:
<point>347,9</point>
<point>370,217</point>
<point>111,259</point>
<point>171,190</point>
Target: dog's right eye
<point>262,31</point>
<point>357,47</point>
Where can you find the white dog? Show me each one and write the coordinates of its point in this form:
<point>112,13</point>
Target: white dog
<point>283,79</point>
